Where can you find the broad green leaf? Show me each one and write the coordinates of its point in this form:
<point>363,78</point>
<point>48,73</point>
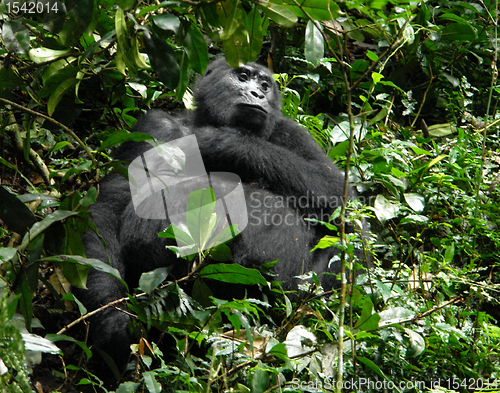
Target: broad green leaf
<point>44,55</point>
<point>9,81</point>
<point>394,315</point>
<point>59,93</point>
<point>434,161</point>
<point>454,18</point>
<point>200,218</point>
<point>279,14</point>
<point>234,14</point>
<point>385,209</point>
<point>124,47</point>
<point>326,242</point>
<point>196,48</point>
<point>14,213</point>
<point>256,26</point>
<point>366,312</point>
<point>317,9</point>
<point>221,253</point>
<point>458,32</point>
<point>314,47</point>
<point>449,253</point>
<point>33,342</point>
<point>438,130</point>
<point>418,150</point>
<point>377,77</point>
<point>414,218</point>
<point>125,4</point>
<point>139,59</point>
<point>41,226</point>
<point>16,37</point>
<point>368,321</point>
<point>372,366</point>
<point>7,253</point>
<point>169,22</point>
<point>417,343</point>
<point>236,48</point>
<point>149,281</point>
<point>127,387</point>
<point>87,262</point>
<point>372,56</point>
<point>233,273</point>
<point>121,136</point>
<point>416,201</point>
<point>152,385</point>
<point>163,59</point>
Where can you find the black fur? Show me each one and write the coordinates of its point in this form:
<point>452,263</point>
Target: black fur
<point>240,129</point>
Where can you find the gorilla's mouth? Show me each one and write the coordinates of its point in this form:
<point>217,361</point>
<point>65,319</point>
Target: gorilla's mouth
<point>252,106</point>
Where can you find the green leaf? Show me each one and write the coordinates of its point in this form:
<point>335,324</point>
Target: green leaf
<point>458,32</point>
<point>221,253</point>
<point>417,343</point>
<point>152,385</point>
<point>124,47</point>
<point>196,48</point>
<point>233,273</point>
<point>317,9</point>
<point>256,26</point>
<point>438,130</point>
<point>200,218</point>
<point>368,320</point>
<point>314,47</point>
<point>327,242</point>
<point>236,48</point>
<point>372,366</point>
<point>33,342</point>
<point>44,55</point>
<point>416,201</point>
<point>394,315</point>
<point>372,56</point>
<point>449,254</point>
<point>7,253</point>
<point>233,16</point>
<point>87,262</point>
<point>125,4</point>
<point>14,213</point>
<point>149,281</point>
<point>163,59</point>
<point>168,22</point>
<point>454,18</point>
<point>377,77</point>
<point>418,150</point>
<point>59,93</point>
<point>121,136</point>
<point>127,387</point>
<point>385,209</point>
<point>16,37</point>
<point>280,14</point>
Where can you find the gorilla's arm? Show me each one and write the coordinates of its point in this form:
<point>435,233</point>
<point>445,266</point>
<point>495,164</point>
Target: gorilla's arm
<point>290,163</point>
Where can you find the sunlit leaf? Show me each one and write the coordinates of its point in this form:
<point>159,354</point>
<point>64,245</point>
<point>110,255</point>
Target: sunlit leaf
<point>314,47</point>
<point>385,209</point>
<point>279,14</point>
<point>233,273</point>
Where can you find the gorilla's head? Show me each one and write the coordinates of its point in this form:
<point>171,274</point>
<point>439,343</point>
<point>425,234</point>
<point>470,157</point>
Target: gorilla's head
<point>246,98</point>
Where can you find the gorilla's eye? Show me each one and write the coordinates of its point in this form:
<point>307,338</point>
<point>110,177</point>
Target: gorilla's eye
<point>265,86</point>
<point>243,77</point>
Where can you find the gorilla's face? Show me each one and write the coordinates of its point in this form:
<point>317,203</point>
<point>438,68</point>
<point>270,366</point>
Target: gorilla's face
<point>245,98</point>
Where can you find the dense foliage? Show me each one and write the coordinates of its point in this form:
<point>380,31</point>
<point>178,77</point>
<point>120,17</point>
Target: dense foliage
<point>402,94</point>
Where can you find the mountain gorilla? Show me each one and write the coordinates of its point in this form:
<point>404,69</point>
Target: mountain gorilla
<point>285,177</point>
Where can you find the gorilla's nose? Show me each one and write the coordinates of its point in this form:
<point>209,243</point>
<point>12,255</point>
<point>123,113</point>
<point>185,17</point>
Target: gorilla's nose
<point>257,94</point>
